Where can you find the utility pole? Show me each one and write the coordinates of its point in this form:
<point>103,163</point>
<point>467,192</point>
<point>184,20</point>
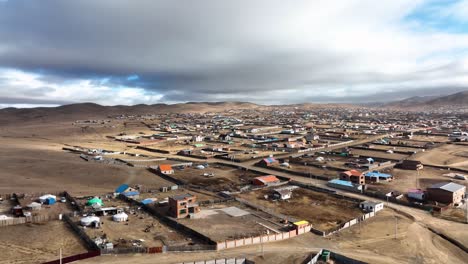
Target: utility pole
<point>396,226</point>
<point>60,256</point>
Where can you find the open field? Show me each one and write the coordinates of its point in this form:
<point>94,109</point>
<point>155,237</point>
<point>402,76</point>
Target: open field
<point>451,155</point>
<point>323,211</point>
<point>215,178</point>
<point>378,154</point>
<point>36,243</point>
<point>310,170</point>
<point>430,138</point>
<point>409,179</point>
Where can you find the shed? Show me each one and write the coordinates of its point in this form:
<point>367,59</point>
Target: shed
<point>94,201</point>
<point>122,188</point>
<point>417,194</point>
<point>266,180</point>
<point>371,206</point>
<point>166,169</point>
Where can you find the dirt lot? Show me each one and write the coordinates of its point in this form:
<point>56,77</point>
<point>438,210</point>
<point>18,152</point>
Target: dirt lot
<point>220,226</point>
<point>36,166</point>
<point>216,177</point>
<point>122,233</point>
<point>310,170</point>
<point>160,196</point>
<point>378,154</point>
<point>451,155</point>
<point>406,179</point>
<point>36,243</point>
<point>430,138</point>
<point>324,212</point>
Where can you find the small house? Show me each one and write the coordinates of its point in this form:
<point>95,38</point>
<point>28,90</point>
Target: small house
<point>345,185</point>
<point>266,162</point>
<point>282,194</point>
<point>165,169</point>
<point>371,206</point>
<point>353,176</point>
<point>446,192</point>
<point>266,180</point>
<point>375,176</point>
<point>411,165</point>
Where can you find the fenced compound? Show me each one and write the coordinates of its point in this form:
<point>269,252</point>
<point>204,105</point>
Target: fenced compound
<point>266,210</point>
<point>81,234</point>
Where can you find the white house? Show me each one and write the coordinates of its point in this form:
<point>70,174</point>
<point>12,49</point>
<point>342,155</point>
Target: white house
<point>371,206</point>
<point>282,194</point>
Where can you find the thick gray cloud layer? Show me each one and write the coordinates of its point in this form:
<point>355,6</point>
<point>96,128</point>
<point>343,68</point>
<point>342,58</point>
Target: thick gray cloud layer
<point>209,50</point>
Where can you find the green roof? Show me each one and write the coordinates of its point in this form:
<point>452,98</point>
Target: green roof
<point>94,201</point>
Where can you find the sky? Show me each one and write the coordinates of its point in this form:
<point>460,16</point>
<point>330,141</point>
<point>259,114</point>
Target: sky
<point>115,52</point>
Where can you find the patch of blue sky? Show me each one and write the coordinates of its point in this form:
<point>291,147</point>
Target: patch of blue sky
<point>133,77</point>
<point>438,15</point>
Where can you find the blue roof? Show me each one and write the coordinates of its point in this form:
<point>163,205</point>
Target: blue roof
<point>147,201</point>
<point>269,160</point>
<point>121,188</point>
<point>341,182</point>
<point>131,193</point>
<point>377,174</point>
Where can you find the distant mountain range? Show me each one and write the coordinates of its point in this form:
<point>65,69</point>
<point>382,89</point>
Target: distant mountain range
<point>423,102</point>
<point>95,111</point>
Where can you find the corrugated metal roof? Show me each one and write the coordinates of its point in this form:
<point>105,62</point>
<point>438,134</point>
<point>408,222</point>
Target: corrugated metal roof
<point>121,188</point>
<point>378,174</point>
<point>447,186</point>
<point>341,182</point>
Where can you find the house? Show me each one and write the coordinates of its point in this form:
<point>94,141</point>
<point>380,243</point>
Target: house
<point>371,206</point>
<point>180,206</point>
<point>266,162</point>
<point>416,194</point>
<point>122,188</point>
<point>165,169</point>
<point>353,176</point>
<point>375,176</point>
<point>446,192</point>
<point>345,185</point>
<point>197,138</point>
<point>282,194</point>
<point>411,165</point>
<point>132,194</point>
<point>266,180</point>
<point>225,137</point>
<point>45,199</point>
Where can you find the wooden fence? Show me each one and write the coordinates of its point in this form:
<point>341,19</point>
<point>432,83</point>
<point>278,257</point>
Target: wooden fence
<point>29,219</point>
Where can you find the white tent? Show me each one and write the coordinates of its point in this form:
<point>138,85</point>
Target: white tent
<point>120,217</point>
<point>88,220</point>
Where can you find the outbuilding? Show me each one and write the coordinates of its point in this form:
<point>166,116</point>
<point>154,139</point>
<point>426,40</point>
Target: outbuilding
<point>371,206</point>
<point>266,180</point>
<point>446,192</point>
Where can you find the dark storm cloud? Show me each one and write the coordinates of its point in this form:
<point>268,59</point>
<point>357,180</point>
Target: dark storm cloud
<point>264,51</point>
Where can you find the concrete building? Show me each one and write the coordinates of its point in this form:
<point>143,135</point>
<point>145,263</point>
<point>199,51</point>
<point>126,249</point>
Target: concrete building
<point>353,176</point>
<point>180,206</point>
<point>371,206</point>
<point>446,192</point>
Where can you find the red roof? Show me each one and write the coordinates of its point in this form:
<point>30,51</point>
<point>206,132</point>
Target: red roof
<point>353,173</point>
<point>165,167</point>
<point>267,178</point>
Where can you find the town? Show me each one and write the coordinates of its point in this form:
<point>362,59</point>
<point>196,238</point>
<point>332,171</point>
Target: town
<point>237,184</point>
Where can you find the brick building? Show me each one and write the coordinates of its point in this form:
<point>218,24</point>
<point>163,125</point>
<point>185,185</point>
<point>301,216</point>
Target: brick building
<point>180,206</point>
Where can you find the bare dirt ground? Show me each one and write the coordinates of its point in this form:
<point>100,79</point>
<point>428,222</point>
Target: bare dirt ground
<point>215,178</point>
<point>220,226</point>
<point>33,165</point>
<point>451,155</point>
<point>373,242</point>
<point>122,233</point>
<point>36,243</point>
<point>378,154</point>
<point>409,179</point>
<point>324,212</point>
